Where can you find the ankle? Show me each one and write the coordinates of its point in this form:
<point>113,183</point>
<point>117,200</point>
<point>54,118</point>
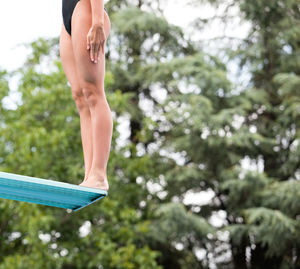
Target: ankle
<point>98,172</point>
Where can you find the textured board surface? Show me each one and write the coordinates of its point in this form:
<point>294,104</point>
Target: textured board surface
<point>47,192</point>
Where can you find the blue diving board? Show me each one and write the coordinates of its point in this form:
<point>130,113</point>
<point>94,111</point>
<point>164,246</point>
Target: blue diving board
<point>47,192</point>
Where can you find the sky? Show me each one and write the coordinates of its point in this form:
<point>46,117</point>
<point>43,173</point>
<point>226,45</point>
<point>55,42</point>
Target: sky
<point>24,21</point>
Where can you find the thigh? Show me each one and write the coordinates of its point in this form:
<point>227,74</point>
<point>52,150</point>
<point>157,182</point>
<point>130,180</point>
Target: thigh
<point>67,59</point>
<point>88,71</point>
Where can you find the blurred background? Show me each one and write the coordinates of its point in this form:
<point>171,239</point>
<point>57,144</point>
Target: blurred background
<point>204,166</point>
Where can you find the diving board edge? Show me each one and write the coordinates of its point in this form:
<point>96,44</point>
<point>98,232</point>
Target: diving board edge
<point>100,197</point>
<point>50,182</point>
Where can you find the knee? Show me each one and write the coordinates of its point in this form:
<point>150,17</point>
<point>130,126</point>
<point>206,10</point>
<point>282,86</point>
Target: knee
<point>79,99</point>
<point>92,94</point>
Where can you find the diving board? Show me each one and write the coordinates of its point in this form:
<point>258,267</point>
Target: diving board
<point>47,192</point>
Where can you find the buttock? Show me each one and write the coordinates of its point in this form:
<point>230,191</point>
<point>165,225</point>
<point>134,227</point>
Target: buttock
<point>67,12</point>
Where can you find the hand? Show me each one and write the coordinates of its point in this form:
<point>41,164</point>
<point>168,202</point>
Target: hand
<point>95,41</point>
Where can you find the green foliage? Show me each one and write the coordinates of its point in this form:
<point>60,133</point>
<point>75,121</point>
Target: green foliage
<point>265,223</point>
<point>36,136</point>
<point>174,224</point>
<point>244,192</point>
<point>262,212</point>
<point>284,196</point>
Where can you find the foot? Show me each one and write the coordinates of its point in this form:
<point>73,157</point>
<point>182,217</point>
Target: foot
<point>96,180</point>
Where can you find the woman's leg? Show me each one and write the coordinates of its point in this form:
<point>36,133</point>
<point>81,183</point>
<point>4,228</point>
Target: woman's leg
<point>68,63</point>
<point>91,80</point>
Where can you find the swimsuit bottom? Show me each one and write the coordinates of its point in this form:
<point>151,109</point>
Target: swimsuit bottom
<point>67,11</point>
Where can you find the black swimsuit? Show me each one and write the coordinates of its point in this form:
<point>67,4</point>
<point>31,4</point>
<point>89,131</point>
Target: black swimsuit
<point>67,11</point>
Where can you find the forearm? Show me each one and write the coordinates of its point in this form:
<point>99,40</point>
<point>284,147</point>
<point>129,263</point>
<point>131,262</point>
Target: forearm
<point>97,12</point>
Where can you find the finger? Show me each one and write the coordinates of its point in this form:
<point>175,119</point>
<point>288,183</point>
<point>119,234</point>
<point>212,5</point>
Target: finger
<point>96,52</point>
<point>87,43</point>
<point>97,56</point>
<point>102,47</point>
<point>100,51</point>
<point>92,51</point>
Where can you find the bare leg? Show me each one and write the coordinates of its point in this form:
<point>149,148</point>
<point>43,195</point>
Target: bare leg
<point>86,135</point>
<point>68,62</point>
<point>91,80</point>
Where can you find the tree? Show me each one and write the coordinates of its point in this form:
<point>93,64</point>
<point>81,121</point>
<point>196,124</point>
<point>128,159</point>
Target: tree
<point>192,136</point>
<point>41,138</point>
<point>44,129</point>
<point>262,208</point>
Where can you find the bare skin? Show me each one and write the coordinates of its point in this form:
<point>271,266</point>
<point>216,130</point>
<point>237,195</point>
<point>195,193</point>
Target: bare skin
<point>86,77</point>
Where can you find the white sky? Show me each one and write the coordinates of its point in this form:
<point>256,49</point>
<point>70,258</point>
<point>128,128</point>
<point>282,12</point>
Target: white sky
<point>24,21</point>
